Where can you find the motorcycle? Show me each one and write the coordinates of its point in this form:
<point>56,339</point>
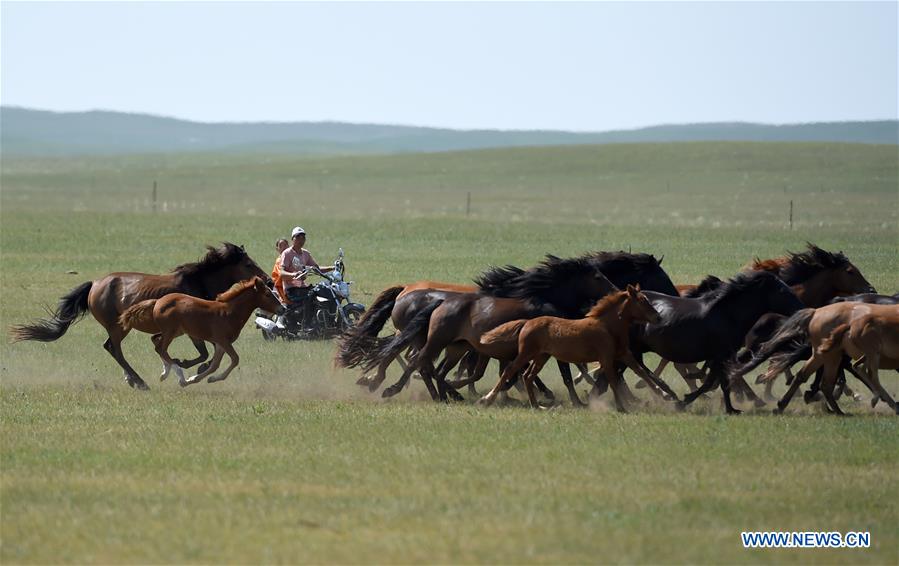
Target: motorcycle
<point>324,314</point>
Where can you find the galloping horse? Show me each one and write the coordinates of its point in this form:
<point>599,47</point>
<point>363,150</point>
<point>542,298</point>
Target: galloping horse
<point>818,277</point>
<point>219,321</point>
<point>602,336</point>
<point>858,329</point>
<point>106,298</point>
<point>711,327</point>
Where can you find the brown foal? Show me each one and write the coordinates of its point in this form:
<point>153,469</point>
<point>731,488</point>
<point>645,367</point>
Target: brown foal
<point>602,336</point>
<point>219,321</point>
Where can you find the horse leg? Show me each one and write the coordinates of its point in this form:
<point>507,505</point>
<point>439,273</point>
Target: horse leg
<point>530,375</point>
<point>811,365</point>
<point>213,365</point>
<point>401,382</point>
<point>607,360</point>
<point>872,364</point>
<point>718,368</point>
<point>161,342</point>
<point>814,390</point>
<point>565,370</point>
<point>659,386</point>
<point>708,384</point>
<point>509,372</point>
<point>452,357</point>
<point>235,359</point>
<point>478,373</point>
<point>747,390</point>
<point>828,382</point>
<point>113,345</point>
<point>546,391</point>
<point>202,354</point>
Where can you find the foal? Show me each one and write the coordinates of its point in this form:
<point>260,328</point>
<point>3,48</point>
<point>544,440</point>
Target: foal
<point>219,321</point>
<point>603,336</point>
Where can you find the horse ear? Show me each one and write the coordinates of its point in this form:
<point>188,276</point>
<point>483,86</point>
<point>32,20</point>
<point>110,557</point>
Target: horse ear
<point>661,259</point>
<point>637,287</point>
<point>630,289</point>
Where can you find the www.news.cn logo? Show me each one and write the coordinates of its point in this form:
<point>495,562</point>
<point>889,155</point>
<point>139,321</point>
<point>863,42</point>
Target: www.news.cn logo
<point>811,539</point>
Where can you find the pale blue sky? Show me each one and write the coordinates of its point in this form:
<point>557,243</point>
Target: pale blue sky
<point>574,66</point>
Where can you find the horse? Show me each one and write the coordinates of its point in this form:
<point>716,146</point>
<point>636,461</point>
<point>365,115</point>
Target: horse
<point>602,336</point>
<point>219,321</point>
<point>711,327</point>
<point>859,329</point>
<point>555,287</point>
<point>106,298</point>
<point>789,343</point>
<point>817,276</point>
<point>357,343</point>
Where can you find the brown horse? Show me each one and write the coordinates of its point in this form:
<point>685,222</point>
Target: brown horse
<point>856,329</point>
<point>219,321</point>
<point>817,277</point>
<point>360,340</point>
<point>106,298</point>
<point>603,336</point>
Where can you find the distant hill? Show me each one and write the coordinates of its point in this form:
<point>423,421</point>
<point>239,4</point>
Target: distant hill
<point>38,132</point>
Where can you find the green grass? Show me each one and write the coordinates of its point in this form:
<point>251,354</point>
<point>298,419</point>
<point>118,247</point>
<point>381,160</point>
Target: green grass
<point>288,461</point>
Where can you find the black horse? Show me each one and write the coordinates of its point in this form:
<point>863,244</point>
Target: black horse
<point>712,327</point>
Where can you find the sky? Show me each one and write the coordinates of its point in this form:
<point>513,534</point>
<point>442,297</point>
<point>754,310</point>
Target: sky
<point>568,66</point>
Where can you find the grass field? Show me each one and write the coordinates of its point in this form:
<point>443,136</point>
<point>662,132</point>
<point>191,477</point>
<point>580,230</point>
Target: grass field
<point>288,461</point>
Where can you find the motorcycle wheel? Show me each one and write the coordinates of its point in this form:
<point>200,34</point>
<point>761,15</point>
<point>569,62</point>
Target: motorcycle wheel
<point>353,314</point>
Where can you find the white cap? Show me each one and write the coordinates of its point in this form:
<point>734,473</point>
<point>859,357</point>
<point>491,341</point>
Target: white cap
<point>296,232</point>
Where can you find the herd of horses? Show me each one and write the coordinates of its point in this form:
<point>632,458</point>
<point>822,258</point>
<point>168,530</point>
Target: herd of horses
<point>614,307</point>
<point>611,308</point>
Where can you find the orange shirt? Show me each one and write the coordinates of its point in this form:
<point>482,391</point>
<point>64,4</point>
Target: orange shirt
<point>276,277</point>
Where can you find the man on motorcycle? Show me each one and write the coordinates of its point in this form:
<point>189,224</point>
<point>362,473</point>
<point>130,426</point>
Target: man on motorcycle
<point>293,264</point>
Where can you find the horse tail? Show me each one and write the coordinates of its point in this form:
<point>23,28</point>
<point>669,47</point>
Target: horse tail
<point>790,339</point>
<point>71,308</point>
<point>357,342</point>
<point>835,340</point>
<point>137,314</point>
<point>506,332</point>
<point>392,347</point>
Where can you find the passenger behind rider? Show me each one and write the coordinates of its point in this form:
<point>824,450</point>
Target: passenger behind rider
<point>293,263</point>
<point>281,245</point>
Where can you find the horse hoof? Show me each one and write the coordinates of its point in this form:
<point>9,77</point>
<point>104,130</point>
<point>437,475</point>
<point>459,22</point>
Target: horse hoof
<point>811,397</point>
<point>203,367</point>
<point>681,405</point>
<point>759,403</point>
<point>389,392</point>
<point>874,401</point>
<point>363,381</point>
<point>777,411</point>
<point>735,412</point>
<point>640,385</point>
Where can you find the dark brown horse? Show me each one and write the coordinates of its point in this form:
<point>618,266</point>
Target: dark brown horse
<point>219,321</point>
<point>106,298</point>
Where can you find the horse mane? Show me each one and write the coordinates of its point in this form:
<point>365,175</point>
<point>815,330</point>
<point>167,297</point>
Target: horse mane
<point>773,265</point>
<point>548,274</point>
<point>215,258</point>
<point>235,290</point>
<point>739,284</point>
<point>496,278</point>
<point>795,268</point>
<point>613,264</point>
<point>805,265</point>
<point>710,283</point>
<point>605,303</point>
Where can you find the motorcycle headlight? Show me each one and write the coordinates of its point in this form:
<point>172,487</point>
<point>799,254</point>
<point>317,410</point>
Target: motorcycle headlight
<point>343,290</point>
